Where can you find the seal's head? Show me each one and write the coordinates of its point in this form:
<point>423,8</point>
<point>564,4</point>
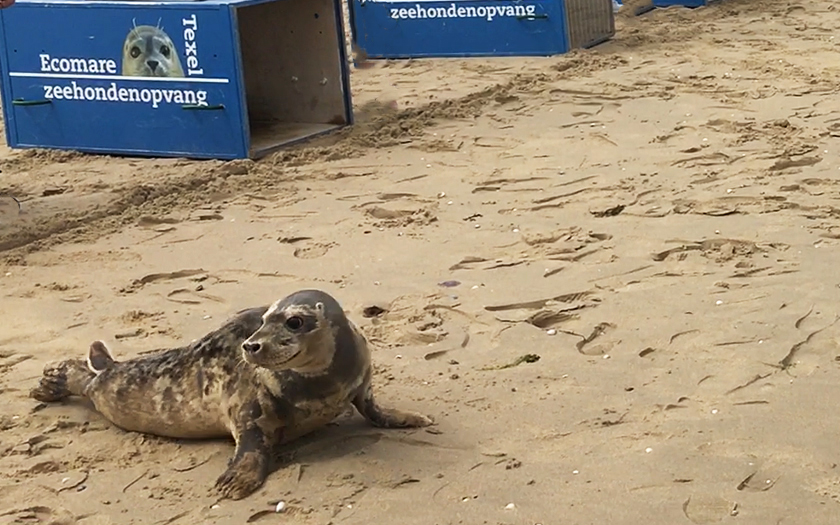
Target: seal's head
<point>99,358</point>
<point>297,332</point>
<point>149,52</point>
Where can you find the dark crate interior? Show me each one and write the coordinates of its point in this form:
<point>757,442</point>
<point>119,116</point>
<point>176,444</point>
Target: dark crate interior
<point>292,66</point>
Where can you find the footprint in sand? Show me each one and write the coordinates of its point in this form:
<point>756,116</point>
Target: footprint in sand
<point>314,250</point>
<point>10,208</point>
<point>401,218</point>
<point>707,508</point>
<point>10,359</point>
<point>43,514</point>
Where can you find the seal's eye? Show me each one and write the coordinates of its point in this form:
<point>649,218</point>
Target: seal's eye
<point>294,323</point>
<point>135,52</point>
<point>164,50</point>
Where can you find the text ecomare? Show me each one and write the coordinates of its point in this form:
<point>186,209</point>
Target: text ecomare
<point>77,65</point>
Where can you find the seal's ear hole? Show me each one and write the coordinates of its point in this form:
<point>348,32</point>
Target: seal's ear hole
<point>99,358</point>
<point>294,323</point>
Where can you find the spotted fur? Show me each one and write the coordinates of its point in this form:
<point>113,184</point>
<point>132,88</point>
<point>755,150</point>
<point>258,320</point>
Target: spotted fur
<point>262,377</point>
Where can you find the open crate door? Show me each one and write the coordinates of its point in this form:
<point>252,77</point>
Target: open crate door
<point>294,70</point>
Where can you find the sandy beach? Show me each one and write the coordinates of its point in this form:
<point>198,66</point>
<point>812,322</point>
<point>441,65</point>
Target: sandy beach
<point>654,222</point>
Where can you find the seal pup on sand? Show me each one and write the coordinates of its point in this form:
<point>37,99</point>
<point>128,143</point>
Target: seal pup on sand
<point>149,52</point>
<point>267,376</point>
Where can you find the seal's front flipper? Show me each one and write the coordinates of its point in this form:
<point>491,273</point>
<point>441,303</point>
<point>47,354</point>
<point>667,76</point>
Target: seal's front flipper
<point>99,358</point>
<point>249,466</point>
<point>67,378</point>
<point>382,417</point>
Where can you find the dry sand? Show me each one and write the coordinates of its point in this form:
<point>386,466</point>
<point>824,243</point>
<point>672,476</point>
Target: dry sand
<point>657,219</point>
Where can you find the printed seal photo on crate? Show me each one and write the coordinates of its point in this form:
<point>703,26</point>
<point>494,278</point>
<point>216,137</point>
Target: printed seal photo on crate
<point>214,79</point>
<point>149,52</point>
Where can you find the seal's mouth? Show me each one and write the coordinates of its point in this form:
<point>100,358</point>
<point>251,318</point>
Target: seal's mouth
<point>270,364</point>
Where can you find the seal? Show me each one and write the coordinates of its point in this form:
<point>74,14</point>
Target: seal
<point>267,376</point>
<point>149,52</point>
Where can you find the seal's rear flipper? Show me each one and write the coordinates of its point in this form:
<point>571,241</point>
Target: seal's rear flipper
<point>99,358</point>
<point>384,417</point>
<point>67,378</point>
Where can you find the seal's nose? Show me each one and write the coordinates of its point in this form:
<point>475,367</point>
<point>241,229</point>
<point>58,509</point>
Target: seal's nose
<point>251,348</point>
<point>153,64</point>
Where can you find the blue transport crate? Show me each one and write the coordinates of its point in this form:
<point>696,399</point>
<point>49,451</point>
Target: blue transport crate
<point>459,28</point>
<point>211,79</point>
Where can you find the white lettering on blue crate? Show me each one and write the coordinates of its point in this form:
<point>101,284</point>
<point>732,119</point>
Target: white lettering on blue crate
<point>77,65</point>
<point>112,93</point>
<point>455,11</point>
<point>190,45</point>
<point>148,55</point>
